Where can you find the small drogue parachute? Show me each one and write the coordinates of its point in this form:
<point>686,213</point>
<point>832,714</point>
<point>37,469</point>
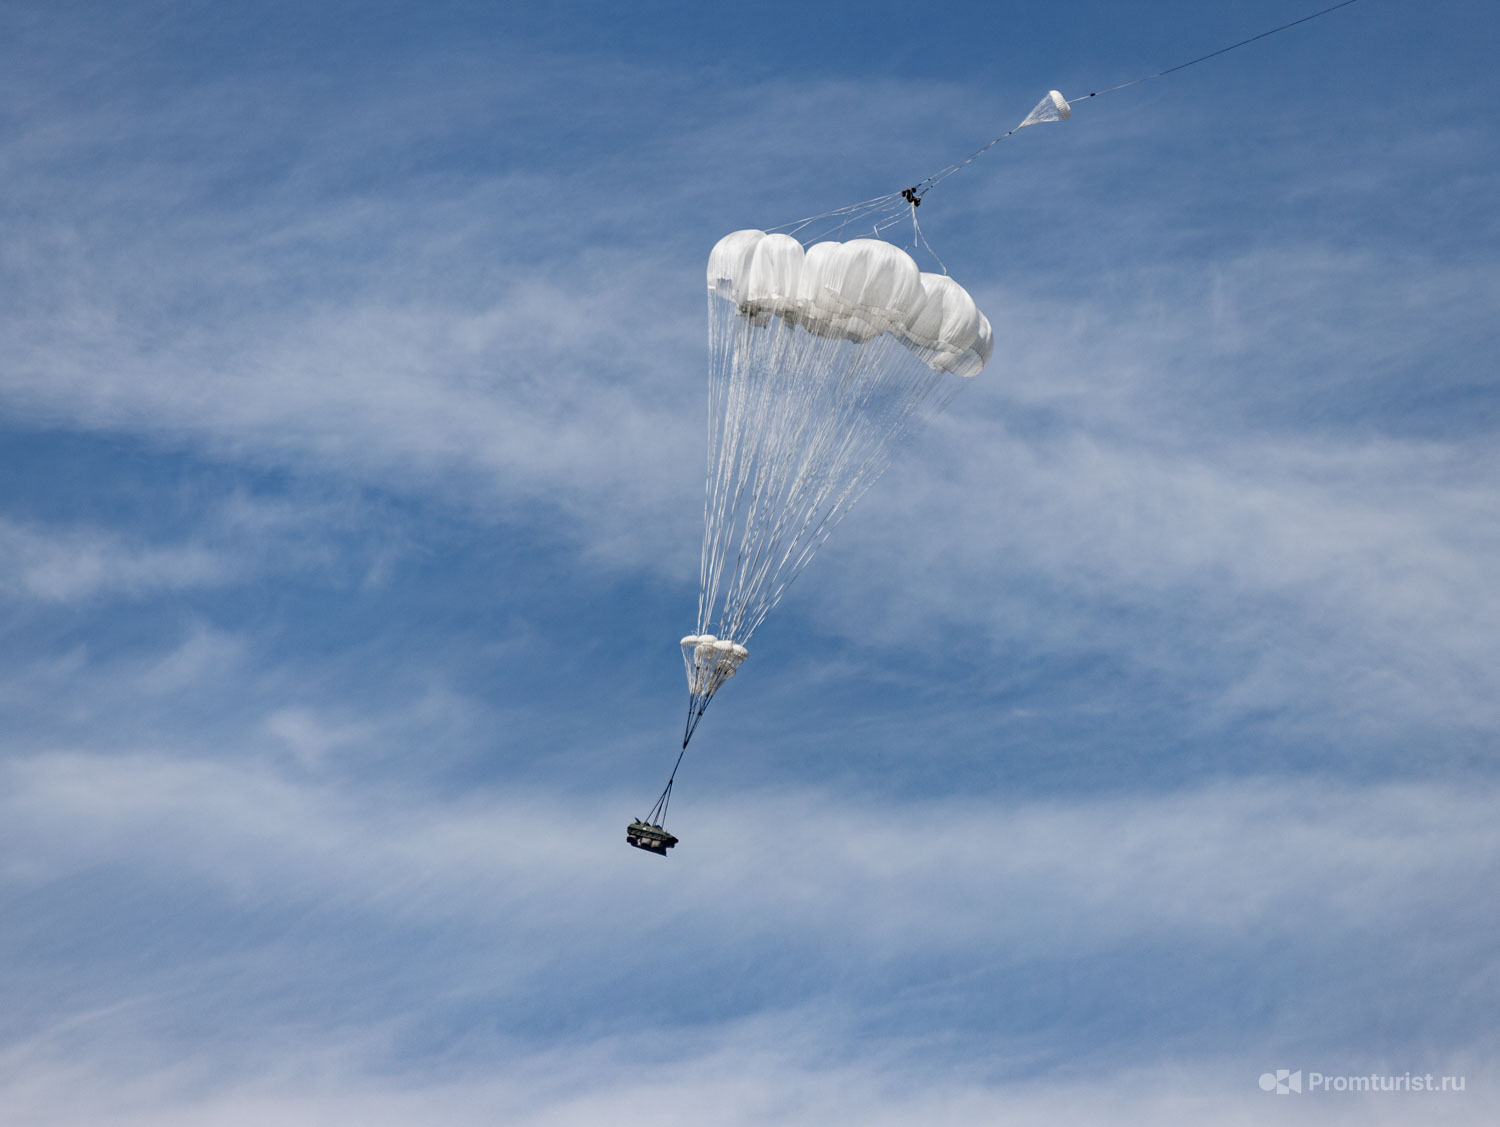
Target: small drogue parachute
<point>1054,107</point>
<point>820,362</point>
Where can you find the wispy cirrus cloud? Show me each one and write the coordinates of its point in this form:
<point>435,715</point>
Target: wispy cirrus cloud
<point>1208,867</point>
<point>72,564</point>
<point>890,910</point>
<point>764,1072</point>
<point>224,538</point>
<point>1330,570</point>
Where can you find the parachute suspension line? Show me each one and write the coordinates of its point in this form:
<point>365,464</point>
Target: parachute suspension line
<point>917,229</point>
<point>697,705</point>
<point>658,813</point>
<point>881,209</point>
<point>808,423</point>
<point>772,560</point>
<point>849,214</point>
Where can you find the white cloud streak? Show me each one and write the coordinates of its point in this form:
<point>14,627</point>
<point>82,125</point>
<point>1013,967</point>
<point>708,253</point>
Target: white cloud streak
<point>1210,864</point>
<point>72,564</point>
<point>752,1078</point>
<point>224,539</point>
<point>1329,573</point>
<point>1353,877</point>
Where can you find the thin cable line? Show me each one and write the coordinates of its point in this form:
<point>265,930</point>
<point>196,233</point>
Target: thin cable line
<point>853,213</point>
<point>1220,51</point>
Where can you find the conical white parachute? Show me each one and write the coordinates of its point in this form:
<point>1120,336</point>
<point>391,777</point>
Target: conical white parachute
<point>1054,107</point>
<point>819,363</point>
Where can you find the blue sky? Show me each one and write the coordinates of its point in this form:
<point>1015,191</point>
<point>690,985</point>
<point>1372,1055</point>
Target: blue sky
<point>1135,735</point>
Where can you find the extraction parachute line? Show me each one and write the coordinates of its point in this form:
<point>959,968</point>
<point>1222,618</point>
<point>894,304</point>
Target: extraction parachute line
<point>890,209</point>
<point>1220,51</point>
<point>658,813</point>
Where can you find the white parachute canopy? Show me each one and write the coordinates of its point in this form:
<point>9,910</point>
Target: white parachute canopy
<point>1054,107</point>
<point>819,363</point>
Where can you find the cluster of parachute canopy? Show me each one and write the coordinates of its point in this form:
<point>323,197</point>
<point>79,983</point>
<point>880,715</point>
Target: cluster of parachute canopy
<point>855,291</point>
<point>820,361</point>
